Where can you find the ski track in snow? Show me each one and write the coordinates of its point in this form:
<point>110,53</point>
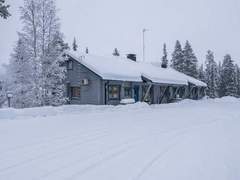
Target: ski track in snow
<point>168,147</point>
<point>130,147</point>
<point>90,149</point>
<point>95,154</point>
<point>51,153</point>
<point>44,143</point>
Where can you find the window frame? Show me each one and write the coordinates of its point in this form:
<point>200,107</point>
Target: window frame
<point>130,93</point>
<point>72,88</point>
<point>109,94</point>
<point>68,65</point>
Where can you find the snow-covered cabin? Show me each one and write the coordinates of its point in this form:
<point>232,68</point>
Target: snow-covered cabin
<point>109,80</point>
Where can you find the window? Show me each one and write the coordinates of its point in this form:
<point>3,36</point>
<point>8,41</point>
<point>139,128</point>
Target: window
<point>113,92</point>
<point>127,92</point>
<point>75,92</point>
<point>70,65</point>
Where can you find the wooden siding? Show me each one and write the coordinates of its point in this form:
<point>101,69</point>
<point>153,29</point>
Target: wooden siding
<point>96,92</point>
<point>89,94</point>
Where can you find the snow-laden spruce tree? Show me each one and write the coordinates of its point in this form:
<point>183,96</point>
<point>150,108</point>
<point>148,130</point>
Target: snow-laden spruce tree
<point>43,46</point>
<point>115,52</point>
<point>74,45</point>
<point>227,86</point>
<point>219,69</point>
<point>51,41</point>
<point>164,58</point>
<point>201,74</point>
<point>190,61</point>
<point>177,61</point>
<point>2,86</point>
<point>237,79</point>
<point>53,74</point>
<point>4,13</point>
<point>86,50</point>
<point>211,75</point>
<point>30,17</point>
<point>2,93</point>
<point>20,72</point>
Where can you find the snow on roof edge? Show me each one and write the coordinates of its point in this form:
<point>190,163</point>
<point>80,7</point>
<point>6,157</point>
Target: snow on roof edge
<point>183,80</point>
<point>104,76</point>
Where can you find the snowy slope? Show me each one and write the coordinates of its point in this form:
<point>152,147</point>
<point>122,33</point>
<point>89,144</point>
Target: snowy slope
<point>191,140</point>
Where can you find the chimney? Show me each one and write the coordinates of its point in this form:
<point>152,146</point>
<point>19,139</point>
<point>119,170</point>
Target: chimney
<point>133,57</point>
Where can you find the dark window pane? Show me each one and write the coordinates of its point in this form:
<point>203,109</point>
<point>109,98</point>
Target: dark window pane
<point>113,92</point>
<point>127,92</point>
<point>75,91</point>
<point>69,65</point>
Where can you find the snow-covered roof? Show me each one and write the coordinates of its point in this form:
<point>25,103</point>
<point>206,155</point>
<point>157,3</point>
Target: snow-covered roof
<point>123,69</point>
<point>114,68</point>
<point>182,75</point>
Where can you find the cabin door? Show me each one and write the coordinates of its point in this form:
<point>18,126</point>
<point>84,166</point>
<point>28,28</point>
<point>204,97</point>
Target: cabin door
<point>136,93</point>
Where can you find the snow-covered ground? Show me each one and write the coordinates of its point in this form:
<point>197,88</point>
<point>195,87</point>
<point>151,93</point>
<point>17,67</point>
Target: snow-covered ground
<point>191,140</point>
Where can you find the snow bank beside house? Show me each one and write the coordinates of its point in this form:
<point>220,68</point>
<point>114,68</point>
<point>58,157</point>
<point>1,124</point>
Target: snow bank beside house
<point>127,104</point>
<point>186,140</point>
<point>127,101</point>
<point>10,113</point>
<point>228,99</point>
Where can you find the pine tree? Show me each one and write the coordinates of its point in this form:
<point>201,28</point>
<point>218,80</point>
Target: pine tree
<point>164,58</point>
<point>211,75</point>
<point>52,73</point>
<point>30,18</point>
<point>43,46</point>
<point>32,34</point>
<point>2,93</point>
<point>4,13</point>
<point>237,79</point>
<point>220,88</point>
<point>190,61</point>
<point>75,46</point>
<point>21,81</point>
<point>178,58</point>
<point>228,77</point>
<point>116,52</point>
<point>201,74</point>
<point>87,51</point>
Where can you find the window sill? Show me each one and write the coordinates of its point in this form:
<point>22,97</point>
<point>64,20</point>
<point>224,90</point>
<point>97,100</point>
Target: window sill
<point>114,99</point>
<point>75,98</point>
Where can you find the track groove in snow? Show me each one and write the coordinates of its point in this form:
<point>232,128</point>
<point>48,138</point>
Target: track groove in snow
<point>93,155</point>
<point>187,140</point>
<point>42,143</point>
<point>169,146</point>
<point>50,154</point>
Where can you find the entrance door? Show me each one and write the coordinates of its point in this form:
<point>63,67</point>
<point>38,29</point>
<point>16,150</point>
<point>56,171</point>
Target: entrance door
<point>136,93</point>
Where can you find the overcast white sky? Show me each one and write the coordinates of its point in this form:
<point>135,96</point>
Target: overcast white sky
<point>103,25</point>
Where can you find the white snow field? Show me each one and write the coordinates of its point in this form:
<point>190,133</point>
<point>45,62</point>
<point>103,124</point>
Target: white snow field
<point>190,140</point>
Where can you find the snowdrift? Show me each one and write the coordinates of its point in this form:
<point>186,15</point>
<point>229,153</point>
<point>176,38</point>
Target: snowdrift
<point>187,140</point>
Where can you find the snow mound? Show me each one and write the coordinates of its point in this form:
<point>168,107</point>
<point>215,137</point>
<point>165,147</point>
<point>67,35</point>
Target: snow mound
<point>227,99</point>
<point>127,101</point>
<point>10,113</point>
